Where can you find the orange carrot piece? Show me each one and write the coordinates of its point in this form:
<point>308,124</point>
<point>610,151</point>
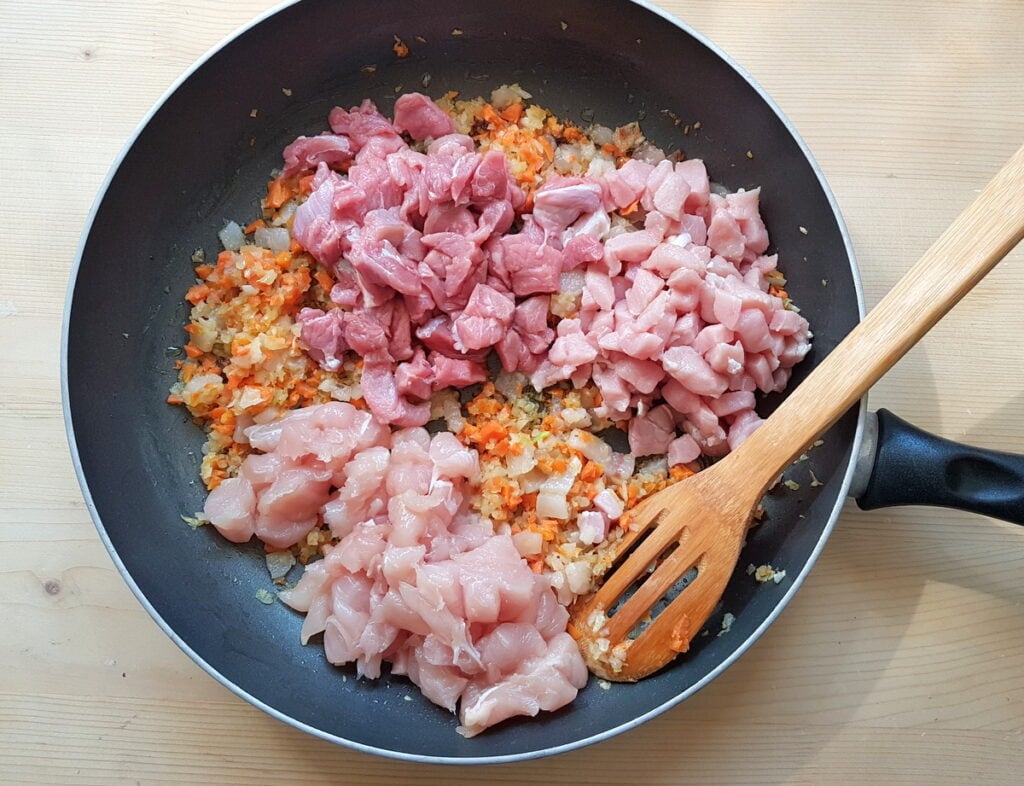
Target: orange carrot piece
<point>491,117</point>
<point>197,294</point>
<point>591,471</point>
<point>280,191</point>
<point>512,113</point>
<point>325,281</point>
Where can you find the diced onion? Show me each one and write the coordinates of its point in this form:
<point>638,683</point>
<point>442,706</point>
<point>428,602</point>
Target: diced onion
<point>594,448</point>
<point>520,464</point>
<point>231,236</point>
<point>279,563</point>
<point>528,543</point>
<point>506,95</point>
<point>578,576</point>
<point>602,135</point>
<point>276,239</point>
<point>552,505</point>
<point>649,153</point>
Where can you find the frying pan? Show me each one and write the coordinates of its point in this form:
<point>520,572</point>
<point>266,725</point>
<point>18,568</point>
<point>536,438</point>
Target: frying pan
<point>204,155</point>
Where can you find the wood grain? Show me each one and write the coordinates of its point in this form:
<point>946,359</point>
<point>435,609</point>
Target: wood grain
<point>902,658</point>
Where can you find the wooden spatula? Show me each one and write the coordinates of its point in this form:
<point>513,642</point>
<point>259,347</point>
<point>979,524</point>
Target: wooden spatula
<point>700,522</point>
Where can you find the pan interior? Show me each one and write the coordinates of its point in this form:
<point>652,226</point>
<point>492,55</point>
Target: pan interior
<point>205,156</point>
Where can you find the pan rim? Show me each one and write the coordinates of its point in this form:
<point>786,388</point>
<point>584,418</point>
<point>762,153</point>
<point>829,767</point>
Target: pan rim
<point>797,581</point>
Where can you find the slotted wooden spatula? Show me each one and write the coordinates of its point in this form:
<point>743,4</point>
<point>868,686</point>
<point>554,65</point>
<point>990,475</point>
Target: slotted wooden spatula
<point>700,522</point>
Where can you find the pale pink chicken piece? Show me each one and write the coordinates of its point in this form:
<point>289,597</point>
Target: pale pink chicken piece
<point>562,200</point>
<point>687,367</point>
<point>683,450</point>
<point>652,432</point>
<point>626,184</point>
<point>231,508</point>
<point>376,598</point>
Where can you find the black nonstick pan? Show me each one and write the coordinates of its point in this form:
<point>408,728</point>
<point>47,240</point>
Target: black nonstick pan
<point>204,155</point>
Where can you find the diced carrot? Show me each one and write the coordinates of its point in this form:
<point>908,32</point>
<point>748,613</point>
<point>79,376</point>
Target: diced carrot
<point>680,471</point>
<point>630,209</point>
<point>492,430</point>
<point>193,351</point>
<point>559,465</point>
<point>513,113</point>
<point>503,448</point>
<point>572,134</point>
<point>549,150</point>
<point>197,294</point>
<point>305,390</point>
<point>400,47</point>
<point>591,471</point>
<point>280,191</point>
<point>296,247</point>
<point>324,280</point>
<point>203,271</point>
<point>175,400</point>
<point>491,117</point>
<point>259,223</point>
<point>778,291</point>
<point>306,184</point>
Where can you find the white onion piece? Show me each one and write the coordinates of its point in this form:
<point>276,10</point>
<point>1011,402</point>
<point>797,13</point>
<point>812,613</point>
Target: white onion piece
<point>532,481</point>
<point>552,505</point>
<point>600,135</point>
<point>601,165</point>
<point>521,464</point>
<point>552,500</point>
<point>506,95</point>
<point>453,415</point>
<point>649,153</point>
<point>594,448</point>
<point>510,385</point>
<point>279,563</point>
<point>578,576</point>
<point>276,239</point>
<point>528,543</point>
<point>284,215</point>
<point>231,236</point>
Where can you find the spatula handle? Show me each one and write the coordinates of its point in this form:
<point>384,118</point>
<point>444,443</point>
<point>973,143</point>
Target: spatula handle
<point>972,245</point>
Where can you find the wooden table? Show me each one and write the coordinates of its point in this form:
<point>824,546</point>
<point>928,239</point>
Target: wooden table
<point>902,659</point>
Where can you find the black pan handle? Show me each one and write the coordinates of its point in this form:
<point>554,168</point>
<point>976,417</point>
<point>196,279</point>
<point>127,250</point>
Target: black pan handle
<point>913,467</point>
